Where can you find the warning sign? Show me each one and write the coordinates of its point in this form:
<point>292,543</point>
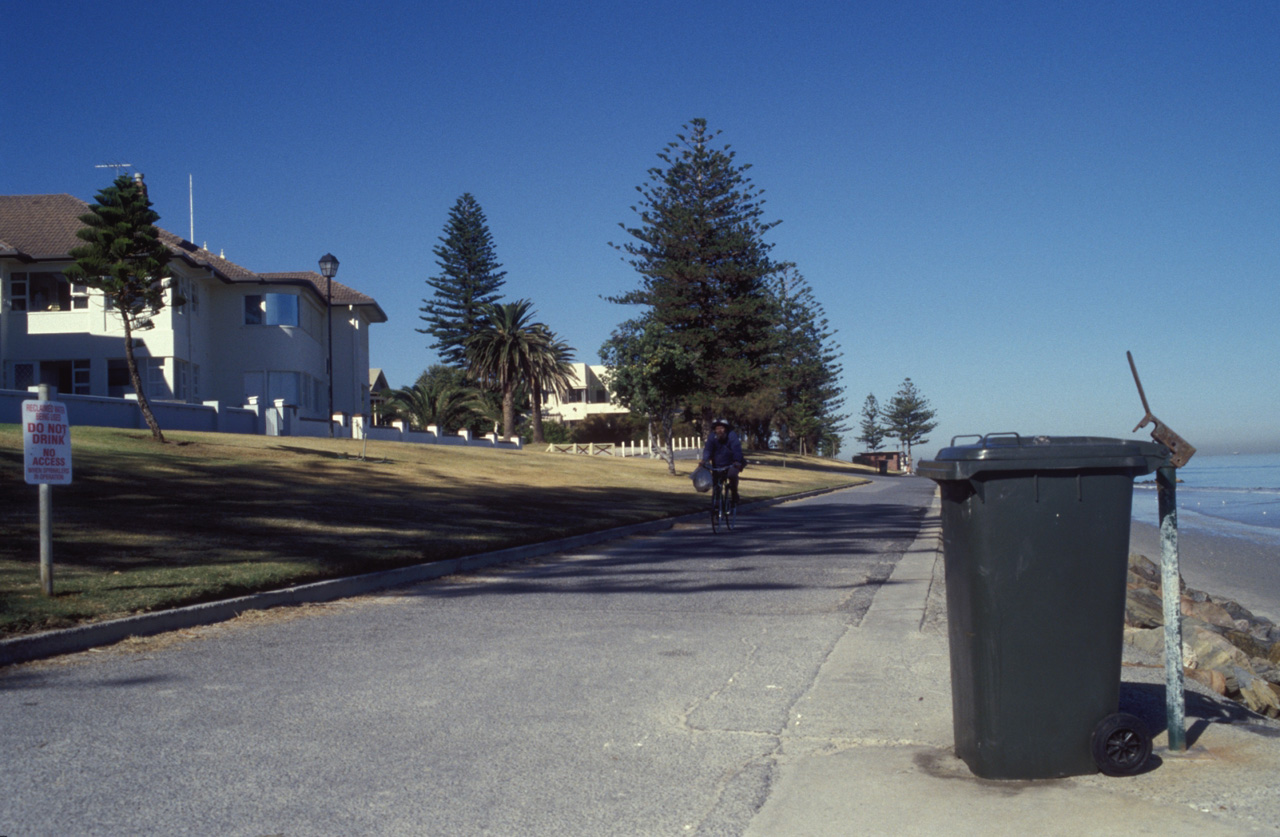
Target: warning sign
<point>46,443</point>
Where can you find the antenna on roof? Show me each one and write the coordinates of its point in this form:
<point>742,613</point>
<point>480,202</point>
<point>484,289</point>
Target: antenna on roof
<point>119,167</point>
<point>191,197</point>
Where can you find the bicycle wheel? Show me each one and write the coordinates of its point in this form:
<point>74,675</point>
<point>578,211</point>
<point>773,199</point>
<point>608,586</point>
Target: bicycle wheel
<point>715,507</point>
<point>730,510</point>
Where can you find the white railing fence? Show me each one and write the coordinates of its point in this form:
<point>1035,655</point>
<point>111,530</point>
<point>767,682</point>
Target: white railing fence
<point>623,449</point>
<point>274,419</point>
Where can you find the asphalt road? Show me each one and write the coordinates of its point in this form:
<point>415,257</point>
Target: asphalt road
<point>639,688</point>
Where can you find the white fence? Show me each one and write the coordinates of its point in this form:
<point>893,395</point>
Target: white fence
<point>96,411</point>
<point>625,448</point>
<point>399,432</point>
<point>275,419</point>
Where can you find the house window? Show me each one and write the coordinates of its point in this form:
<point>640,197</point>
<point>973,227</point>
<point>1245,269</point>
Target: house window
<point>151,371</point>
<point>118,383</point>
<point>18,292</point>
<point>46,292</point>
<point>24,375</point>
<point>69,376</point>
<point>80,377</point>
<point>189,290</point>
<point>271,309</point>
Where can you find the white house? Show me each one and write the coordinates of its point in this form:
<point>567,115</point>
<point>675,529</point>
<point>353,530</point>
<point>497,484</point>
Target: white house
<point>587,397</point>
<point>239,334</point>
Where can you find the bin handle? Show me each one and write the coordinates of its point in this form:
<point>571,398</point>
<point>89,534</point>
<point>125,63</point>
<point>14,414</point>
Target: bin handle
<point>1010,433</point>
<point>977,436</point>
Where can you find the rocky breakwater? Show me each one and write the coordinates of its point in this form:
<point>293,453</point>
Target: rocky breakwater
<point>1224,646</point>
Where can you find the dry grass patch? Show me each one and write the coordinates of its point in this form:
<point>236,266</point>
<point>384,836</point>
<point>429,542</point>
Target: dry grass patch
<point>210,516</point>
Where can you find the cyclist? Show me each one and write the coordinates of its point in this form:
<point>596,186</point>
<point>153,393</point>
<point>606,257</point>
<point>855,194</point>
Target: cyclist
<point>723,450</point>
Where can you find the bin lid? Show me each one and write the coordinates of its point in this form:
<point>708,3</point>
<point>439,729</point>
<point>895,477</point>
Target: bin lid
<point>1014,452</point>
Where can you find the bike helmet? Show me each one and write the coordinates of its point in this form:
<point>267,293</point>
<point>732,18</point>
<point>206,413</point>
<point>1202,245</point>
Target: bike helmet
<point>722,422</point>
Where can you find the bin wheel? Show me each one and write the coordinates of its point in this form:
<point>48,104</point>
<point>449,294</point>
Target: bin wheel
<point>1121,744</point>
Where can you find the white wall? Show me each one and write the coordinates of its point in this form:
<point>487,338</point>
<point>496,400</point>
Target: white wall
<point>208,332</point>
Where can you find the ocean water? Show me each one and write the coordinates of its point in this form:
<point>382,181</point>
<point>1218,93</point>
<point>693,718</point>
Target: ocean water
<point>1237,496</point>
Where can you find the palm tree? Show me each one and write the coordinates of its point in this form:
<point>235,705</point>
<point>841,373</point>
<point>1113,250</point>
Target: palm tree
<point>440,397</point>
<point>552,372</point>
<point>501,352</point>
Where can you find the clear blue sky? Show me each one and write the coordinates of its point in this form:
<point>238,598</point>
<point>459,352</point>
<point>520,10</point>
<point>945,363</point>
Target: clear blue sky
<point>995,199</point>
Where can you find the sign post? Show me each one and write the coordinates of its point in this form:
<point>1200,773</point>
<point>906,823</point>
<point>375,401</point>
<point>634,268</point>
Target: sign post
<point>46,457</point>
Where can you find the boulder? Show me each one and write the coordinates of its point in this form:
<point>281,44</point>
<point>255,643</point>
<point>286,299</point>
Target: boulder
<point>1150,640</point>
<point>1215,680</point>
<point>1143,608</point>
<point>1204,649</point>
<point>1250,644</point>
<point>1257,694</point>
<point>1239,611</point>
<point>1143,568</point>
<point>1225,647</point>
<point>1207,611</point>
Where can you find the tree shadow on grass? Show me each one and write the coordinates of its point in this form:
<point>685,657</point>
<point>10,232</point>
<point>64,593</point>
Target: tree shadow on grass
<point>224,518</point>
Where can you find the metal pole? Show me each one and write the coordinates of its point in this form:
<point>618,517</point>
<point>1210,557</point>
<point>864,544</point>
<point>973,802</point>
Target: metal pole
<point>46,538</point>
<point>1166,484</point>
<point>329,364</point>
<point>46,522</point>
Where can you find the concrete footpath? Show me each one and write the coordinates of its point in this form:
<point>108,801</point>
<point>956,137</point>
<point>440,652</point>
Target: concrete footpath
<point>869,749</point>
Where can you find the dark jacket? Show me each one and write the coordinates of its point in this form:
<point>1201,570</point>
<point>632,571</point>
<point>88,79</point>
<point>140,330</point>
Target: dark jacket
<point>723,454</point>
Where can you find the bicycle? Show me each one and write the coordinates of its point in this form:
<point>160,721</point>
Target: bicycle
<point>723,509</point>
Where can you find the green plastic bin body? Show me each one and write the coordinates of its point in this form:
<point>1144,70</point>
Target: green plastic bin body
<point>1036,540</point>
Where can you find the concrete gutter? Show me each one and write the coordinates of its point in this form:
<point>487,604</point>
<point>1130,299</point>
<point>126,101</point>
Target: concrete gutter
<point>83,637</point>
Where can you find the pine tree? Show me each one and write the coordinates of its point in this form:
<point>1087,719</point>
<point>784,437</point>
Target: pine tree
<point>469,279</point>
<point>872,431</point>
<point>806,369</point>
<point>125,259</point>
<point>909,418</point>
<point>704,264</point>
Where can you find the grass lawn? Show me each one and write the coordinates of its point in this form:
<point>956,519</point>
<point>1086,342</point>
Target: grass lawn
<point>210,516</point>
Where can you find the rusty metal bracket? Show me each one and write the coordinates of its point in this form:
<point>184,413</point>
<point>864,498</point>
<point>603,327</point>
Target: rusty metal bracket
<point>1180,450</point>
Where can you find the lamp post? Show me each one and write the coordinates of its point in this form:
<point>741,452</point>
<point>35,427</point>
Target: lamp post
<point>329,269</point>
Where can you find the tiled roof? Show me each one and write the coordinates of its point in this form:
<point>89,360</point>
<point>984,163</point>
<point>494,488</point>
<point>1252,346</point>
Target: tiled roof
<point>43,228</point>
<point>342,295</point>
<point>40,226</point>
<point>188,252</point>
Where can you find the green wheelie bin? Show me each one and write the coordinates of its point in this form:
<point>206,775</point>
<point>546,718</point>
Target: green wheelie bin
<point>1036,540</point>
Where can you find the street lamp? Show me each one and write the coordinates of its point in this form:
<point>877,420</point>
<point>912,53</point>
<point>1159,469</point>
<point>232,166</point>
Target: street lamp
<point>329,269</point>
